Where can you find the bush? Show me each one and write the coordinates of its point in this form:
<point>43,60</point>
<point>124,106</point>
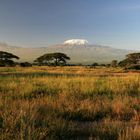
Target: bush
<point>135,67</point>
<point>25,64</point>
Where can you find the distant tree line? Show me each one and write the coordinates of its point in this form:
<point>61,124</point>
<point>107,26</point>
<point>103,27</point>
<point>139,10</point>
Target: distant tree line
<point>132,61</point>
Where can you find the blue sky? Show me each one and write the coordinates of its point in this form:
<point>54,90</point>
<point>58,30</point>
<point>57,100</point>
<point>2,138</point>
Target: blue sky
<point>38,23</point>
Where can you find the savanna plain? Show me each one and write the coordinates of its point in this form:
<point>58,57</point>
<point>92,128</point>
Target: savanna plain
<point>69,103</point>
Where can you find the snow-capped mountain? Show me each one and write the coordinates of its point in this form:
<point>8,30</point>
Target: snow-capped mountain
<point>79,50</point>
<point>76,42</point>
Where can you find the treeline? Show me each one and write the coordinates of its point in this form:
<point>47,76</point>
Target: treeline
<point>132,61</point>
<point>49,59</point>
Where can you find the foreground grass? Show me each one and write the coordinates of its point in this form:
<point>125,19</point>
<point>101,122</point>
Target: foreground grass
<point>69,103</point>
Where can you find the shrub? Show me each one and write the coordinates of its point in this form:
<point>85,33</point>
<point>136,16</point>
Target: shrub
<point>25,64</point>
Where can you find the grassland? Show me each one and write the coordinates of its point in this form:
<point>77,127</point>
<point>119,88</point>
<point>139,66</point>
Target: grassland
<point>56,103</point>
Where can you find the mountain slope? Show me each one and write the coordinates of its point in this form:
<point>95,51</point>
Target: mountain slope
<point>87,54</point>
<point>83,53</point>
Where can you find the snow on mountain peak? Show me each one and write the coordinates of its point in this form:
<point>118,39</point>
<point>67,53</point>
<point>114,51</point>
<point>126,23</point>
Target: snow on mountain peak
<point>76,42</point>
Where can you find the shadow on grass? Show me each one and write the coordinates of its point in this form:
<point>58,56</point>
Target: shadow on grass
<point>37,74</point>
<point>43,74</point>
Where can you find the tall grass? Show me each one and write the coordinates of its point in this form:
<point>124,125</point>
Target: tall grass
<point>69,103</point>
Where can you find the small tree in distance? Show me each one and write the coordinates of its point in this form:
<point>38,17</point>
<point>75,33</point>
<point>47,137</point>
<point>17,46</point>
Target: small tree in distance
<point>25,64</point>
<point>94,65</point>
<point>52,58</point>
<point>114,63</point>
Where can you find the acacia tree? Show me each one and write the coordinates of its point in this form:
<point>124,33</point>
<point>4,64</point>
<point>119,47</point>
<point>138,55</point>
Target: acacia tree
<point>6,59</point>
<point>52,58</point>
<point>134,58</point>
<point>131,60</point>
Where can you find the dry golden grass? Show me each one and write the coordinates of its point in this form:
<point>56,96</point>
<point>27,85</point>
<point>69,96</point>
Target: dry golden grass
<point>40,103</point>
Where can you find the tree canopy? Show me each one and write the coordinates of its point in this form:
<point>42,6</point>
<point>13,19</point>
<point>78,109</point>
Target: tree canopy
<point>131,59</point>
<point>134,58</point>
<point>6,58</point>
<point>52,58</point>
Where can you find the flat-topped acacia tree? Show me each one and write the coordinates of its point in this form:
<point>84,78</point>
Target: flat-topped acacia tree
<point>134,58</point>
<point>6,58</point>
<point>52,58</point>
<point>132,61</point>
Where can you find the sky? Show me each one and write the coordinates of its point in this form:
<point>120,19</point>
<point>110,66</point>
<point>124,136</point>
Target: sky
<point>41,23</point>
